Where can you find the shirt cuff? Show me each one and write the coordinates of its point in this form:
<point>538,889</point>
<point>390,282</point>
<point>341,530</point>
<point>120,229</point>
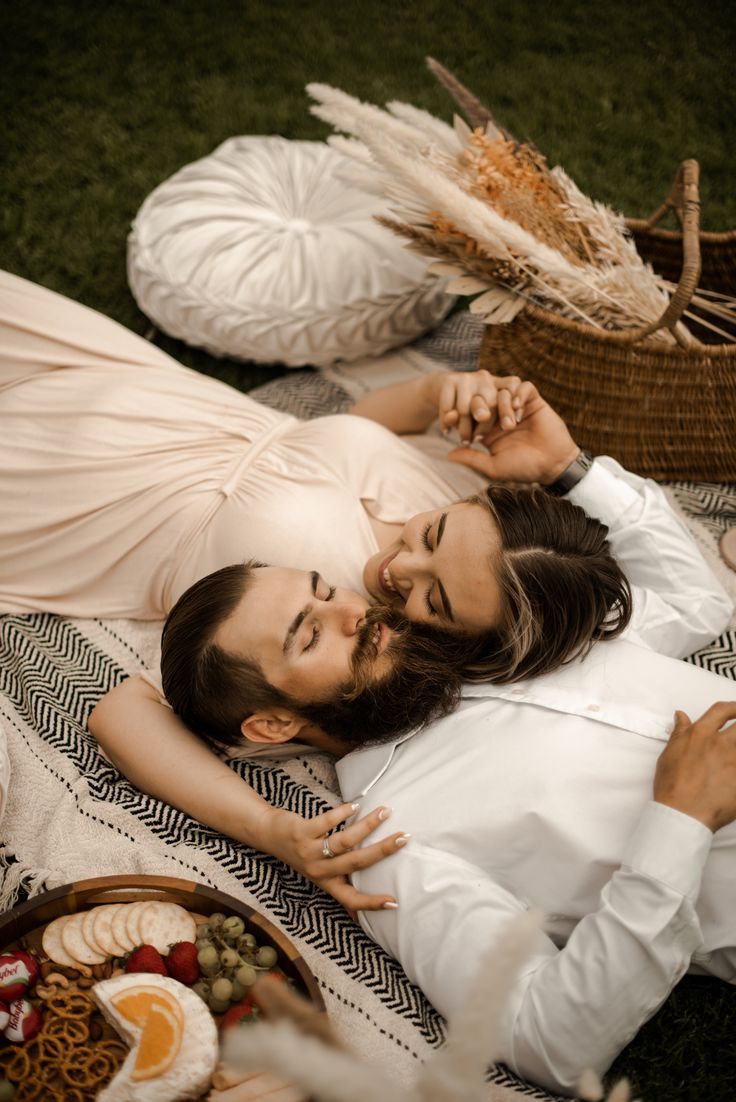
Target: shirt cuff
<point>602,494</point>
<point>670,847</point>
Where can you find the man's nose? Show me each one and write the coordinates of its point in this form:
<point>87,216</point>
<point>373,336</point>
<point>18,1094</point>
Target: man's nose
<point>349,615</point>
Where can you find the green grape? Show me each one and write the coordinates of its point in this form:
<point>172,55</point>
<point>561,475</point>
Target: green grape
<point>217,1006</point>
<point>233,926</point>
<point>247,941</point>
<point>216,920</point>
<point>222,989</point>
<point>204,931</point>
<point>230,942</point>
<point>246,976</point>
<point>266,956</point>
<point>209,960</point>
<point>203,943</point>
<point>229,958</point>
<point>202,989</point>
<point>238,992</point>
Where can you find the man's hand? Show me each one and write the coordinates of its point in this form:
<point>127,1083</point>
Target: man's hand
<point>299,842</point>
<point>538,449</point>
<point>696,771</point>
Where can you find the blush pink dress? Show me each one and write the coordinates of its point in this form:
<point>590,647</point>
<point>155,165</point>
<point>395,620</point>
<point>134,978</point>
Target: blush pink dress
<point>125,477</point>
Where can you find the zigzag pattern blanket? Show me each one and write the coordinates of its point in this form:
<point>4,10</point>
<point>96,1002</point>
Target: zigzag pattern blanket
<point>70,815</point>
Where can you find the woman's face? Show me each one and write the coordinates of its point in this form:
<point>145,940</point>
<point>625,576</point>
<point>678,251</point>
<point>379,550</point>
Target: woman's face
<point>440,569</point>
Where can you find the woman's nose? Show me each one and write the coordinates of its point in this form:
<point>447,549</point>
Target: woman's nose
<point>405,570</point>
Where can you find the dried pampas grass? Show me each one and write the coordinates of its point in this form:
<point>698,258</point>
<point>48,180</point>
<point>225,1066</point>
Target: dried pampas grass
<point>493,216</point>
<point>456,1072</point>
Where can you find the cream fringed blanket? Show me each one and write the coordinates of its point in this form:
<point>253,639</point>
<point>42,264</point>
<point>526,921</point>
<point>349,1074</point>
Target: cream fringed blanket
<point>70,815</point>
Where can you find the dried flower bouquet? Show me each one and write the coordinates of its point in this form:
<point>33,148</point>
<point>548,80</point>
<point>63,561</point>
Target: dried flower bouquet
<point>494,217</point>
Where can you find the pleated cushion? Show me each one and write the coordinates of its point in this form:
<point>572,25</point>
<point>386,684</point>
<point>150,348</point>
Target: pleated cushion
<point>262,252</point>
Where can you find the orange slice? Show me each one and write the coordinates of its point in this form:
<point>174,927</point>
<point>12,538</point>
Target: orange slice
<point>136,1004</point>
<point>159,1044</point>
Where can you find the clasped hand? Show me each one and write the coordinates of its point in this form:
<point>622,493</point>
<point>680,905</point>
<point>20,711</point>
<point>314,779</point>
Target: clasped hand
<point>524,439</point>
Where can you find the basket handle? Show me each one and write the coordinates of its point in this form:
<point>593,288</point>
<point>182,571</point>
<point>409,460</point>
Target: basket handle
<point>684,200</point>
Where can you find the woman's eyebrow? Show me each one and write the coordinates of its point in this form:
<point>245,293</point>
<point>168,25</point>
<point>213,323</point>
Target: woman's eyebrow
<point>441,529</point>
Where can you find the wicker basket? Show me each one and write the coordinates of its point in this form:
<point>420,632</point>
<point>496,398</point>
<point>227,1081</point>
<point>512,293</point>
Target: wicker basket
<point>667,411</point>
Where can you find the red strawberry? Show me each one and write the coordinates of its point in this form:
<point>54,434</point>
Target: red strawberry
<point>182,964</point>
<point>242,1014</point>
<point>146,959</point>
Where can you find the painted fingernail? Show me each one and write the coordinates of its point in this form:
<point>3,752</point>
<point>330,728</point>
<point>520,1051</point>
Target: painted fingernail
<point>519,415</point>
<point>390,906</point>
<point>355,806</point>
<point>383,814</point>
<point>402,839</point>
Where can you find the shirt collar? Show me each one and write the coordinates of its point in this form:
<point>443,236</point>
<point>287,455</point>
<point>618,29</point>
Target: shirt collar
<point>359,770</point>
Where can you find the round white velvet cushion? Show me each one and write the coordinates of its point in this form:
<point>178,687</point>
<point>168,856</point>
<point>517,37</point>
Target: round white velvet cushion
<point>261,251</point>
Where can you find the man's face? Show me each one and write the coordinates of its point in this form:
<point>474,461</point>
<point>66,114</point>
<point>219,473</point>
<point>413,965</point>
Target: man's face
<point>307,636</point>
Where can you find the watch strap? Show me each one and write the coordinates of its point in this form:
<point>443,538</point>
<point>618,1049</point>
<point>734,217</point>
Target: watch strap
<point>572,474</point>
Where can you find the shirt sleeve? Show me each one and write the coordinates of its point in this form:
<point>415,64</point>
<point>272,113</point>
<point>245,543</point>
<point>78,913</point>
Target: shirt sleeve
<point>571,1008</point>
<point>679,606</point>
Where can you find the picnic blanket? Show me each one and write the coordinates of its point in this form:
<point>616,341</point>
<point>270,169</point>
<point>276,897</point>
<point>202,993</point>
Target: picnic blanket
<point>70,815</point>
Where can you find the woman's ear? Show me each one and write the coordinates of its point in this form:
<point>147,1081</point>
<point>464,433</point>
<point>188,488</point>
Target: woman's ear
<point>271,727</point>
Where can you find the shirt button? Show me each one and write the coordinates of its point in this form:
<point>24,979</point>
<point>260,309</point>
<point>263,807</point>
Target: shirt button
<point>594,707</point>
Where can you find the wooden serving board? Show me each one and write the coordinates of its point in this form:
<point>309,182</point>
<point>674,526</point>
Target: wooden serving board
<point>29,919</point>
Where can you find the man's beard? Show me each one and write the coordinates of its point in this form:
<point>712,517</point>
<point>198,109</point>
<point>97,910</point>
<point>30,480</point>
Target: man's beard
<point>423,684</point>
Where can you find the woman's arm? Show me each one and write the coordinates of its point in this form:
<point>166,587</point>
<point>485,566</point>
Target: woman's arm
<point>462,400</point>
<point>151,746</point>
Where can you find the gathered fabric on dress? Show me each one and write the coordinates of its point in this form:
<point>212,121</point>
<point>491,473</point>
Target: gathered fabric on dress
<point>125,477</point>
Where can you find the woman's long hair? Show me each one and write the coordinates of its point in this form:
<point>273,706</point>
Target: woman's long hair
<point>561,588</point>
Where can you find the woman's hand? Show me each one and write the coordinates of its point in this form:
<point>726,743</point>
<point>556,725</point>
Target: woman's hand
<point>539,449</point>
<point>475,401</point>
<point>300,843</point>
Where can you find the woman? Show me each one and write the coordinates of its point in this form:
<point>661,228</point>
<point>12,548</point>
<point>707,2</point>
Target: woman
<point>126,477</point>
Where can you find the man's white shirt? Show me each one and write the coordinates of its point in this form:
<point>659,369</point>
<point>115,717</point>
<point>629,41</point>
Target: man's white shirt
<point>539,794</point>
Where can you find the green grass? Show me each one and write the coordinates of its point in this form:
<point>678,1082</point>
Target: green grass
<point>101,101</point>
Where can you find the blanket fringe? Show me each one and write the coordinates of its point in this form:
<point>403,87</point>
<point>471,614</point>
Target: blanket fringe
<point>18,881</point>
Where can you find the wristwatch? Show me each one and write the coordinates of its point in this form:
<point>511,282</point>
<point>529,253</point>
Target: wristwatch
<point>571,475</point>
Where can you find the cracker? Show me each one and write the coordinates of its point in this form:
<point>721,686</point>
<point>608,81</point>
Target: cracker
<point>88,933</point>
<point>132,921</point>
<point>75,944</point>
<point>163,924</point>
<point>119,926</point>
<point>102,929</point>
<point>54,948</point>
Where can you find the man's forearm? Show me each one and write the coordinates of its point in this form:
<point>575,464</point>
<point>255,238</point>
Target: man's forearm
<point>574,1007</point>
<point>679,605</point>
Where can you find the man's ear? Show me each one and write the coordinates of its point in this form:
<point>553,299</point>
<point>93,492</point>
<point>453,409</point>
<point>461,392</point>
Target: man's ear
<point>272,727</point>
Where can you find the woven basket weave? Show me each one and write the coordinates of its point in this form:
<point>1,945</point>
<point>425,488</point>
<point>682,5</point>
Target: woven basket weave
<point>664,410</point>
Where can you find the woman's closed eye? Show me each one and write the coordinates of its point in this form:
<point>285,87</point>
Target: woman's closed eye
<point>316,632</point>
<point>425,537</point>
